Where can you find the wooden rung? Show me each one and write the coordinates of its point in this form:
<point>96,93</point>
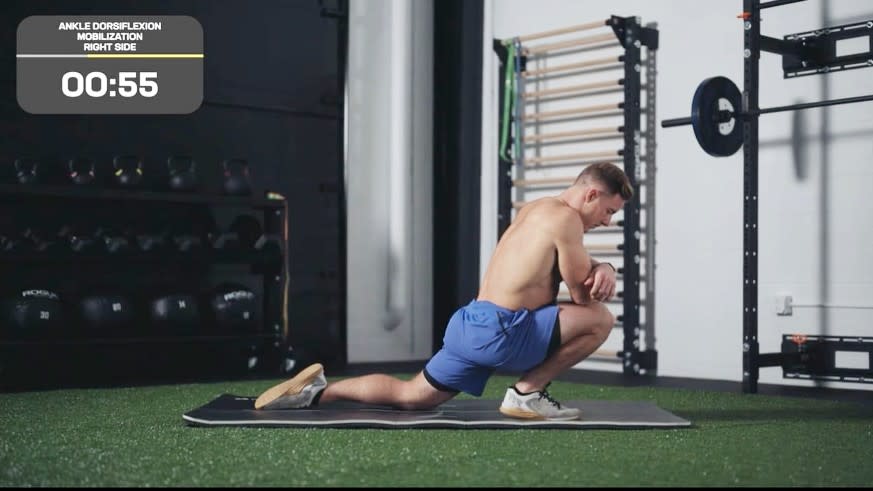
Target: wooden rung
<point>545,48</point>
<point>606,130</point>
<point>574,88</point>
<point>611,229</point>
<point>520,204</point>
<point>603,247</point>
<point>566,298</point>
<point>564,30</point>
<point>576,110</point>
<point>573,66</point>
<point>615,158</point>
<point>604,355</point>
<point>544,181</point>
<point>573,156</point>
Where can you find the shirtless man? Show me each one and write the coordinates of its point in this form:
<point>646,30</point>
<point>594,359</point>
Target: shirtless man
<point>515,323</point>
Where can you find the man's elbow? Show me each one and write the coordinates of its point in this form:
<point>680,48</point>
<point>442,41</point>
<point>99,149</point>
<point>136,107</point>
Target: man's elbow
<point>579,295</point>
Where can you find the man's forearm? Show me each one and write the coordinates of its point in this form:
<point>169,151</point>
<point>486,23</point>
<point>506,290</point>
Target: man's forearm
<point>595,263</point>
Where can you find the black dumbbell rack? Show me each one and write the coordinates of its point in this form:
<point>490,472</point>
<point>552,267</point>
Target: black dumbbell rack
<point>77,355</point>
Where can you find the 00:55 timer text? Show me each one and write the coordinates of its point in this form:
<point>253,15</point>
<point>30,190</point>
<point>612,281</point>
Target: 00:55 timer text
<point>98,84</point>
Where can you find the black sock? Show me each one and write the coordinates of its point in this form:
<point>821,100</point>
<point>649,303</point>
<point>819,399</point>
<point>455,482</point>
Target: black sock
<point>316,398</point>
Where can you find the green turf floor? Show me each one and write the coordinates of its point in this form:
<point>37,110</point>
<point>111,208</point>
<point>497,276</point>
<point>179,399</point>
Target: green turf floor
<point>136,437</point>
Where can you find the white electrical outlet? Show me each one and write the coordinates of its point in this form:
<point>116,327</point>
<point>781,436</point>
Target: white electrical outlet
<point>784,304</point>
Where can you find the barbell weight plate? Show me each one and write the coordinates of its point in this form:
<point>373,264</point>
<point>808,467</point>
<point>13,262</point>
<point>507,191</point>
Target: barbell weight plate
<point>714,95</point>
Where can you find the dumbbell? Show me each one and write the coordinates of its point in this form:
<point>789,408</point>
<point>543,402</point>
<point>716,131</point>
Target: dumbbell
<point>10,244</point>
<point>78,239</point>
<point>270,244</point>
<point>33,312</point>
<point>114,242</point>
<point>187,242</point>
<point>247,228</point>
<point>144,239</point>
<point>224,241</point>
<point>37,243</point>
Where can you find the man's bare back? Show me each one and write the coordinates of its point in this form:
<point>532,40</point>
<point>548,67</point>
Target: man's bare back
<point>523,272</point>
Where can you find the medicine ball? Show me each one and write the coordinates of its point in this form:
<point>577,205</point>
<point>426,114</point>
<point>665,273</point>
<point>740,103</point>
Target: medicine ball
<point>178,312</point>
<point>106,311</point>
<point>234,308</point>
<point>34,311</point>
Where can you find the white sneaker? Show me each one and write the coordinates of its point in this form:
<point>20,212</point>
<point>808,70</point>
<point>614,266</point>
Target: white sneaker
<point>296,392</point>
<point>535,405</point>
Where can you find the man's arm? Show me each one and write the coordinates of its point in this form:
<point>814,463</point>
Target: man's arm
<point>601,286</point>
<point>574,263</point>
<point>595,263</point>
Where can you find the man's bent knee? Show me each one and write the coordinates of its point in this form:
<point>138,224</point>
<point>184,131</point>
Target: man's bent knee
<point>607,322</point>
<point>609,318</point>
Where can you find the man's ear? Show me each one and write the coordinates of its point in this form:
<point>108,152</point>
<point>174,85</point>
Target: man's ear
<point>591,195</point>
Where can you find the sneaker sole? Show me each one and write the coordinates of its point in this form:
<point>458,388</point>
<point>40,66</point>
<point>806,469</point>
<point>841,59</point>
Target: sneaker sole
<point>522,414</point>
<point>290,386</point>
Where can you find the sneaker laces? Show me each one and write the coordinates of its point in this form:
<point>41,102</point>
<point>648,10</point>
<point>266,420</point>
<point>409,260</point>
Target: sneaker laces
<point>544,394</point>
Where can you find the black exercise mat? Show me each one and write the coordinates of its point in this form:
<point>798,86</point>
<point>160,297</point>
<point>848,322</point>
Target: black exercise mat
<point>231,410</point>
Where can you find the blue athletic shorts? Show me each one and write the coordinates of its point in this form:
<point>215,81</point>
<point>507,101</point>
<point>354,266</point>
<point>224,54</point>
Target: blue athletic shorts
<point>482,337</point>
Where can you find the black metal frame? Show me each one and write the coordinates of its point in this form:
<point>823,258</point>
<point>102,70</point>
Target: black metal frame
<point>751,40</point>
<point>632,37</point>
<point>627,30</point>
<point>814,52</point>
<point>754,43</point>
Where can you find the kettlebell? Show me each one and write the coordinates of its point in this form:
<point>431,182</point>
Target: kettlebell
<point>27,171</point>
<point>183,173</point>
<point>236,177</point>
<point>128,171</point>
<point>81,171</point>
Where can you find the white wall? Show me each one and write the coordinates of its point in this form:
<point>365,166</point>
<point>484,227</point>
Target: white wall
<point>389,180</point>
<point>814,233</point>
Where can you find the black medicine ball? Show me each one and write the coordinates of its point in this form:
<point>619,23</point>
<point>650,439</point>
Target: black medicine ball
<point>234,308</point>
<point>106,311</point>
<point>34,311</point>
<point>178,312</point>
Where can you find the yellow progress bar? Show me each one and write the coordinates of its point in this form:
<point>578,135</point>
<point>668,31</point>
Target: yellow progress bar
<point>166,55</point>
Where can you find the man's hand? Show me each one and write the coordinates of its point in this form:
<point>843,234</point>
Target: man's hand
<point>601,282</point>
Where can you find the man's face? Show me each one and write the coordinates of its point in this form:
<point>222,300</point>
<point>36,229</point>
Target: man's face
<point>600,207</point>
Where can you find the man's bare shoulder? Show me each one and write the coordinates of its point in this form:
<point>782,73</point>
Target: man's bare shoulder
<point>548,205</point>
<point>552,213</point>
